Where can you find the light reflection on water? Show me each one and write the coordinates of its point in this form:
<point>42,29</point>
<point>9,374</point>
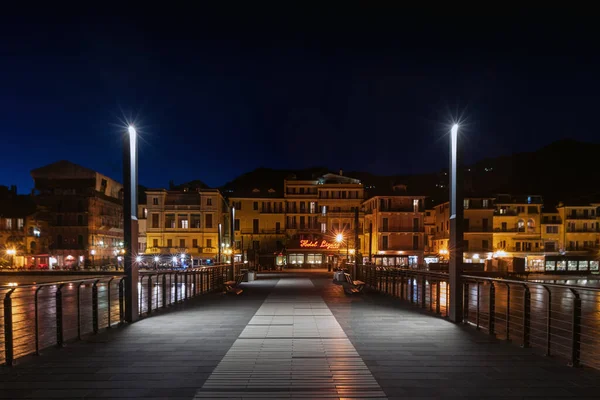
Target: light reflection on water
<point>588,281</point>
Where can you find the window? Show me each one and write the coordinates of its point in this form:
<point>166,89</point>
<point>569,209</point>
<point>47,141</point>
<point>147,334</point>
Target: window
<point>182,243</point>
<point>323,227</point>
<point>169,242</point>
<point>80,241</point>
<point>486,203</point>
<point>550,265</point>
<point>552,229</point>
<point>277,227</point>
<point>324,210</point>
<point>183,222</point>
<point>313,207</point>
<point>145,212</point>
<point>384,242</point>
<point>561,265</point>
<point>154,242</point>
<point>20,224</point>
<point>209,201</point>
<point>255,245</point>
<point>236,224</point>
<point>583,265</point>
<point>415,242</point>
<point>32,246</point>
<point>155,220</point>
<point>314,258</point>
<point>195,221</point>
<point>255,205</point>
<point>208,220</point>
<point>194,243</point>
<point>485,244</point>
<point>255,226</point>
<point>208,242</point>
<point>593,265</point>
<point>155,201</point>
<point>521,226</point>
<point>572,265</point>
<point>466,204</point>
<point>170,221</point>
<point>296,259</point>
<point>530,225</point>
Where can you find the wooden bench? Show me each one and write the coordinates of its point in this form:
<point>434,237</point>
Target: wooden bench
<point>352,287</point>
<point>233,286</point>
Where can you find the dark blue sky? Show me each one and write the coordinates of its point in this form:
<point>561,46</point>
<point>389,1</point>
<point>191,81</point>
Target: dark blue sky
<point>216,94</point>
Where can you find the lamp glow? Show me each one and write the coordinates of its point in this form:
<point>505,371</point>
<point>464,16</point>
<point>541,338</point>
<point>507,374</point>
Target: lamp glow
<point>339,238</point>
<point>138,259</point>
<point>156,258</point>
<point>131,130</point>
<point>174,259</point>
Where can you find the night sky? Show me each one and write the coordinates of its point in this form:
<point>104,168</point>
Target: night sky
<point>215,94</point>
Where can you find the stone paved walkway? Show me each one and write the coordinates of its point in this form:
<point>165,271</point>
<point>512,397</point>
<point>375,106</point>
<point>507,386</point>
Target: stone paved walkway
<point>294,336</point>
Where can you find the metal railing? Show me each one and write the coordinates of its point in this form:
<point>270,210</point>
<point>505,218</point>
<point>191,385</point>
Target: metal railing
<point>561,320</point>
<point>38,316</point>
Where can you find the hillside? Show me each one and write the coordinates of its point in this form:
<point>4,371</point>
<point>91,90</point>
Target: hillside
<point>562,171</point>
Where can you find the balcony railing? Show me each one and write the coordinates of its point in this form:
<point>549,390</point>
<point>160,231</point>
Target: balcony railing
<point>261,231</point>
<point>74,309</point>
<point>506,213</point>
<point>561,320</point>
<point>401,209</point>
<point>478,229</point>
<point>528,231</point>
<point>402,229</point>
<point>587,217</point>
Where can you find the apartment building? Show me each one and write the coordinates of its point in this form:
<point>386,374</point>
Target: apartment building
<point>84,212</point>
<point>185,223</point>
<point>395,229</point>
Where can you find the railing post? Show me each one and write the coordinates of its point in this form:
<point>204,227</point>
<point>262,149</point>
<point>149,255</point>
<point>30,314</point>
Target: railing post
<point>423,292</point>
<point>201,282</point>
<point>478,304</point>
<point>185,285</point>
<point>401,286</point>
<point>526,316</point>
<point>149,297</point>
<point>59,316</point>
<point>37,323</point>
<point>164,291</point>
<point>78,311</point>
<point>438,297</point>
<point>176,290</point>
<point>492,310</point>
<point>466,303</point>
<point>8,329</point>
<point>411,290</point>
<point>95,306</point>
<point>576,331</point>
<point>507,312</point>
<point>109,302</point>
<point>548,322</point>
<point>121,300</point>
<point>430,295</point>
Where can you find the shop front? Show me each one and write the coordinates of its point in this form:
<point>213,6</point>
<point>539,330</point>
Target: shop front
<point>312,254</point>
<point>393,259</point>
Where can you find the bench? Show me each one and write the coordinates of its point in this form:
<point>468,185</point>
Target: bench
<point>233,286</point>
<point>352,287</point>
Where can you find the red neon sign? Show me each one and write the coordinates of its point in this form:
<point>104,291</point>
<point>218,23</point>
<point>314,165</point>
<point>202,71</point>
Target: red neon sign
<point>318,244</point>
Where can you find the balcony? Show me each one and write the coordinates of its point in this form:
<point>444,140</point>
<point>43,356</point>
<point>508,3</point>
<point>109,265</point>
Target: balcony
<point>547,221</point>
<point>585,217</point>
<point>272,211</point>
<point>262,231</point>
<point>478,229</point>
<point>408,209</point>
<point>588,230</point>
<point>524,231</point>
<point>185,207</point>
<point>505,213</point>
<point>401,229</point>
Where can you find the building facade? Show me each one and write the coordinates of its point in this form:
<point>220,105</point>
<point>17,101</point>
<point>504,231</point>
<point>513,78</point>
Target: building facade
<point>85,214</point>
<point>184,224</point>
<point>395,230</point>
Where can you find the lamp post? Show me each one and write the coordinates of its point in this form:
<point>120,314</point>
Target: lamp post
<point>455,247</point>
<point>130,222</point>
<point>11,253</point>
<point>156,259</point>
<point>339,238</point>
<point>93,253</point>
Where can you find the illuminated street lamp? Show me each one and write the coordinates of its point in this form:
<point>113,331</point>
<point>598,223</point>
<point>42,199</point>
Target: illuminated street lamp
<point>11,253</point>
<point>156,259</point>
<point>93,253</point>
<point>130,222</point>
<point>455,245</point>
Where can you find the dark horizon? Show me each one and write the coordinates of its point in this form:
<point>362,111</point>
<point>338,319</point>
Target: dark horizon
<point>215,95</point>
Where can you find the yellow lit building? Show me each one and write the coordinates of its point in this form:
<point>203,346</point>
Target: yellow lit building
<point>186,222</point>
<point>477,225</point>
<point>259,226</point>
<point>398,230</point>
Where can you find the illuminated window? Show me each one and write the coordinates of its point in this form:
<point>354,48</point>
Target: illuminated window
<point>583,265</point>
<point>593,265</point>
<point>209,201</point>
<point>323,227</point>
<point>561,265</point>
<point>550,265</point>
<point>572,265</point>
<point>155,201</point>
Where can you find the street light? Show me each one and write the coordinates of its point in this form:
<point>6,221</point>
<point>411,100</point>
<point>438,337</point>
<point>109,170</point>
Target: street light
<point>11,253</point>
<point>455,245</point>
<point>130,222</point>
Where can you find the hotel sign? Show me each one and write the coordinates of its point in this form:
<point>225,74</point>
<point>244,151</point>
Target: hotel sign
<point>318,244</point>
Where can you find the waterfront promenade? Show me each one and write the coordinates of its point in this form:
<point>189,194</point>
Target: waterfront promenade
<point>294,335</point>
